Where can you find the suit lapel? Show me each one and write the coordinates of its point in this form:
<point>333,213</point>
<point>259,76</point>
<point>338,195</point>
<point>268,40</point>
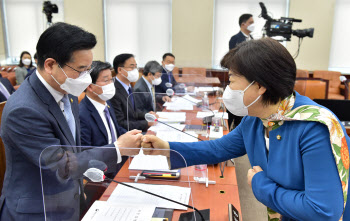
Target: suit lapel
<point>53,108</point>
<point>96,116</point>
<point>125,94</point>
<point>75,110</point>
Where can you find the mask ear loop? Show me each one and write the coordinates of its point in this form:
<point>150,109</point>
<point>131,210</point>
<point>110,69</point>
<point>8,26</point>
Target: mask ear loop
<point>255,99</point>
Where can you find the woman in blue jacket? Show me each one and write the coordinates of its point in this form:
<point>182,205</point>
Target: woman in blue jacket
<point>298,149</point>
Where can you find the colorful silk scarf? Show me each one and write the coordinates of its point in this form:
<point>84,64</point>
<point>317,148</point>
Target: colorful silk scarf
<point>337,137</point>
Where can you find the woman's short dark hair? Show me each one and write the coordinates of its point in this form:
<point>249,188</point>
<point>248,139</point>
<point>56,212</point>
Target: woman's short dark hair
<point>60,41</point>
<point>20,59</point>
<point>98,67</point>
<point>119,61</point>
<point>267,62</point>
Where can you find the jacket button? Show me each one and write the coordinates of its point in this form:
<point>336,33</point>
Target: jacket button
<point>279,137</point>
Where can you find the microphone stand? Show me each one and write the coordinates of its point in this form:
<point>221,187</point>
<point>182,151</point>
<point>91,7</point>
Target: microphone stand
<point>178,129</point>
<point>153,194</point>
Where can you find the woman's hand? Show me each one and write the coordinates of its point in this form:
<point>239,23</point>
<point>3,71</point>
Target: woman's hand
<point>152,145</point>
<point>251,173</point>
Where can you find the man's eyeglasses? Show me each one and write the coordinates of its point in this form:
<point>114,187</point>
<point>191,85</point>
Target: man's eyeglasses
<point>88,71</point>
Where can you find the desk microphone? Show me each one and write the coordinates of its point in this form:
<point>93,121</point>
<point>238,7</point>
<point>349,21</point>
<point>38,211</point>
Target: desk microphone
<point>344,79</point>
<point>151,118</point>
<point>167,84</point>
<point>96,175</point>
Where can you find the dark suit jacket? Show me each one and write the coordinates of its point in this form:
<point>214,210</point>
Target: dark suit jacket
<point>123,110</point>
<point>32,121</point>
<point>162,88</point>
<point>236,39</point>
<point>143,97</point>
<point>93,131</point>
<point>8,86</point>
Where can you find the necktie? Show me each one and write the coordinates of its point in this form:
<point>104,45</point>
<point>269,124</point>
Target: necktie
<point>69,114</point>
<point>169,77</point>
<point>131,97</point>
<point>153,99</point>
<point>108,117</point>
<point>4,91</point>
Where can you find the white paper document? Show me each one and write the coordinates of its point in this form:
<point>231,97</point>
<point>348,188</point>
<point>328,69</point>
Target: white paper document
<point>149,162</point>
<point>179,103</point>
<point>190,99</point>
<point>177,136</point>
<point>102,210</point>
<point>202,114</point>
<point>163,127</point>
<point>172,117</point>
<point>125,195</point>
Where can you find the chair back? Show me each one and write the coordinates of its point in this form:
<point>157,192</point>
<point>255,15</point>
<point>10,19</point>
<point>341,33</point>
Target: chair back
<point>2,152</point>
<point>333,77</point>
<point>194,71</point>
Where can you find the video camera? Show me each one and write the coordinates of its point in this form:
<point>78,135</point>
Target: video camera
<point>48,9</point>
<point>283,26</point>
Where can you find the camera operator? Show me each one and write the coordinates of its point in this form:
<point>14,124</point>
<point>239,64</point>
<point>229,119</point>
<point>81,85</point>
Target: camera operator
<point>246,23</point>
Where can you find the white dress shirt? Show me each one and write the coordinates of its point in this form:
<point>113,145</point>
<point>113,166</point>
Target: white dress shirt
<point>100,109</point>
<point>247,37</point>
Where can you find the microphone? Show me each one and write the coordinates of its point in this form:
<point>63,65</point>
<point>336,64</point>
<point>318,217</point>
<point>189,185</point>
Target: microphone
<point>96,175</point>
<point>151,118</point>
<point>167,84</point>
<point>98,164</point>
<point>343,79</point>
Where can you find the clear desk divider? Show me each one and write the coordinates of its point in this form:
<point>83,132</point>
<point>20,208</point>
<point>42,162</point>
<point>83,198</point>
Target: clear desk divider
<point>83,183</point>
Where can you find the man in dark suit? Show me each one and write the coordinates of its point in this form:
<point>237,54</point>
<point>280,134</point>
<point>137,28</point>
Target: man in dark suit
<point>41,132</point>
<point>123,102</point>
<point>144,92</point>
<point>168,64</point>
<point>246,23</point>
<point>6,89</point>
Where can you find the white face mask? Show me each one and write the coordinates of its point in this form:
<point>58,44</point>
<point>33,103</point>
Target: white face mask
<point>108,91</point>
<point>169,67</point>
<point>26,61</point>
<point>157,81</point>
<point>233,100</point>
<point>251,27</point>
<point>76,86</point>
<point>133,75</point>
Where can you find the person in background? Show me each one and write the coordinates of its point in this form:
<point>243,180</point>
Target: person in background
<point>25,66</point>
<point>123,101</point>
<point>168,64</point>
<point>147,101</point>
<point>246,23</point>
<point>6,89</point>
<point>34,69</point>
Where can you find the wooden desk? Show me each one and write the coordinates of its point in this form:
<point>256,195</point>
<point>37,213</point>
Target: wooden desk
<point>215,197</point>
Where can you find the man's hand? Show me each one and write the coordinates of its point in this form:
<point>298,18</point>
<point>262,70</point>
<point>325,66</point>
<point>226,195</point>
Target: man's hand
<point>129,143</point>
<point>152,145</point>
<point>251,173</point>
<point>166,99</point>
<point>151,112</point>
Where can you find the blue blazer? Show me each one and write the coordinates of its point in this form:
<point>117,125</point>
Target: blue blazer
<point>31,122</point>
<point>300,178</point>
<point>8,86</point>
<point>236,39</point>
<point>161,88</point>
<point>93,131</point>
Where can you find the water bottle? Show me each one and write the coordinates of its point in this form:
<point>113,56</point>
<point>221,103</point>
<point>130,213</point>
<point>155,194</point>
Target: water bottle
<point>205,101</point>
<point>200,172</point>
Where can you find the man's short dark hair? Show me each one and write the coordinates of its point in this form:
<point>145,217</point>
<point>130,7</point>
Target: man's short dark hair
<point>119,61</point>
<point>267,62</point>
<point>152,67</point>
<point>168,54</point>
<point>98,67</point>
<point>60,41</point>
<point>243,18</point>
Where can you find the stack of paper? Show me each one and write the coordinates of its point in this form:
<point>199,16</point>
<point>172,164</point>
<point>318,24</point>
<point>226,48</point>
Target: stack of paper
<point>172,117</point>
<point>149,162</point>
<point>177,136</point>
<point>201,114</point>
<point>125,195</point>
<point>163,127</point>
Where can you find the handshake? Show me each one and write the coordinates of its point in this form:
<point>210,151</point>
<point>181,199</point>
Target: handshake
<point>129,144</point>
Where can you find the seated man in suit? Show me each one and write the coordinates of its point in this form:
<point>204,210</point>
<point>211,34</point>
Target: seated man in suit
<point>41,127</point>
<point>246,23</point>
<point>6,89</point>
<point>168,64</point>
<point>151,77</point>
<point>123,101</point>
